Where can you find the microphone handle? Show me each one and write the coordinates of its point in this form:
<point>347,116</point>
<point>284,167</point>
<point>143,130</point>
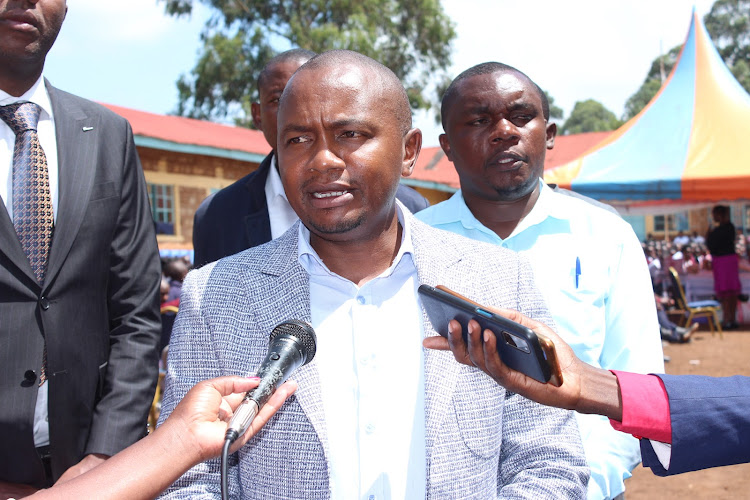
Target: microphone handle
<point>243,416</point>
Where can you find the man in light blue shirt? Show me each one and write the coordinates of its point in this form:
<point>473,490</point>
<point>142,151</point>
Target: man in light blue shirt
<point>587,262</point>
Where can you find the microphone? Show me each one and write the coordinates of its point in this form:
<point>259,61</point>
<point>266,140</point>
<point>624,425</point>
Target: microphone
<point>291,345</point>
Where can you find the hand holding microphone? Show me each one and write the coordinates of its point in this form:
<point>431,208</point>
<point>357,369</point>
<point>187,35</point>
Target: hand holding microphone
<point>292,344</point>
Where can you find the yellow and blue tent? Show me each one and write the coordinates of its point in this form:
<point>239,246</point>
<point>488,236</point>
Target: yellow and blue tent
<point>689,146</point>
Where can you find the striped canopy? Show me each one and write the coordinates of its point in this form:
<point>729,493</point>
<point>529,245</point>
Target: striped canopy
<point>689,146</point>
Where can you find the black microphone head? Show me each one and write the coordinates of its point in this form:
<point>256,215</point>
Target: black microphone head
<point>300,330</point>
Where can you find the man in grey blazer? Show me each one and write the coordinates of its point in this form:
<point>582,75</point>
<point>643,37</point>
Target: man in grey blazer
<point>375,416</point>
<point>91,302</point>
<point>253,210</point>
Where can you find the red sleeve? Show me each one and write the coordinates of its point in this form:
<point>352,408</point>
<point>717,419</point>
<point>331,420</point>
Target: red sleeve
<point>645,407</point>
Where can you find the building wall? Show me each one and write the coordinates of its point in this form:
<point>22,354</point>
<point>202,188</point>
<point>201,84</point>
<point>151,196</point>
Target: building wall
<point>193,178</point>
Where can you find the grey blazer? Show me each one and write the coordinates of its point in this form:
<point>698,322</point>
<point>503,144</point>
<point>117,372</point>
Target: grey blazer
<point>482,442</point>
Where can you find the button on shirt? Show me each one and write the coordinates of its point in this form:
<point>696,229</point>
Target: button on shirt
<point>371,366</point>
<point>592,272</point>
<point>46,132</point>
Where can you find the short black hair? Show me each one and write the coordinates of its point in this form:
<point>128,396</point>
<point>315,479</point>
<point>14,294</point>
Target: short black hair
<point>303,55</point>
<point>344,58</point>
<point>485,69</point>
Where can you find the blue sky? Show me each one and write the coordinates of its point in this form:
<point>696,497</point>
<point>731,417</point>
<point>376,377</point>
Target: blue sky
<point>130,53</point>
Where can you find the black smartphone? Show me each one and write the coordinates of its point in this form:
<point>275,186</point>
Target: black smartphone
<point>519,347</point>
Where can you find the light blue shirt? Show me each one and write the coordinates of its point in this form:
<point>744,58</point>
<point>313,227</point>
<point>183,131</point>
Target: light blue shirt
<point>371,367</point>
<point>591,270</point>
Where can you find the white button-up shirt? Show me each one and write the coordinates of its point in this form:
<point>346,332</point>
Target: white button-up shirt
<point>371,366</point>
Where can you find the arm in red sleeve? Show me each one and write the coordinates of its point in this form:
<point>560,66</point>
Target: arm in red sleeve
<point>645,407</point>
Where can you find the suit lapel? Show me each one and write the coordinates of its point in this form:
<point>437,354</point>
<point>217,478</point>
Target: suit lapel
<point>11,246</point>
<point>285,272</point>
<point>433,261</point>
<point>77,142</point>
<point>257,222</point>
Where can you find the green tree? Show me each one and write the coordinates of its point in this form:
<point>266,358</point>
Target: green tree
<point>728,22</point>
<point>554,111</point>
<point>590,116</point>
<point>412,37</point>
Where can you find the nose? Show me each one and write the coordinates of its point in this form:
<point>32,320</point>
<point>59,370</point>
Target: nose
<point>326,160</point>
<point>505,130</point>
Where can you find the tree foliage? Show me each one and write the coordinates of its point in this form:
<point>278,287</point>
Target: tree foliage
<point>728,23</point>
<point>554,110</point>
<point>412,37</point>
<point>590,116</point>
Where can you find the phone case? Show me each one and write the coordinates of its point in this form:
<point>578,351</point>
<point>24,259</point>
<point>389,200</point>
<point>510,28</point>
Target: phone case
<point>518,346</point>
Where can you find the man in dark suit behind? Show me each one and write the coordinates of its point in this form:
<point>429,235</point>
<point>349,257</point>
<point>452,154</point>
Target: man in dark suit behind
<point>254,210</point>
<point>79,320</point>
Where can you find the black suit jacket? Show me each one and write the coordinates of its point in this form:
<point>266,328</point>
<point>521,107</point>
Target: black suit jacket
<point>97,309</point>
<point>236,218</point>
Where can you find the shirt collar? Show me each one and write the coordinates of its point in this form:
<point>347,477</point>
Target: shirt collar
<point>36,94</point>
<point>312,263</point>
<point>548,205</point>
<point>274,180</point>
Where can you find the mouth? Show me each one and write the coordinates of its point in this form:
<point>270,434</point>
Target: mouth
<point>328,194</point>
<point>330,198</point>
<point>21,20</point>
<point>508,161</point>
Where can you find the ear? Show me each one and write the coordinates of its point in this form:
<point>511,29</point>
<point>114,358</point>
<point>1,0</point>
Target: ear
<point>412,147</point>
<point>551,133</point>
<point>255,112</point>
<point>445,143</point>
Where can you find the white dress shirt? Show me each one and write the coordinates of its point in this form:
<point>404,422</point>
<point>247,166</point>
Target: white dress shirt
<point>46,132</point>
<point>371,366</point>
<point>280,212</point>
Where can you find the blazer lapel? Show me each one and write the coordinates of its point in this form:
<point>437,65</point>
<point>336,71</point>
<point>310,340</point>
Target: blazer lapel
<point>433,261</point>
<point>77,144</point>
<point>285,273</point>
<point>11,246</point>
<point>257,222</point>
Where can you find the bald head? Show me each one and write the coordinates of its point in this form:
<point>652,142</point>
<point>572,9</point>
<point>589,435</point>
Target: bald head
<point>338,64</point>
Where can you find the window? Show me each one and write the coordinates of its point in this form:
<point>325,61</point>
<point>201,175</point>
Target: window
<point>161,197</point>
<point>679,221</point>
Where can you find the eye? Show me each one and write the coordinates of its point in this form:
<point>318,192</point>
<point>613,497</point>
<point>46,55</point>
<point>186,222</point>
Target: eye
<point>351,134</point>
<point>298,140</point>
<point>479,121</point>
<point>521,119</point>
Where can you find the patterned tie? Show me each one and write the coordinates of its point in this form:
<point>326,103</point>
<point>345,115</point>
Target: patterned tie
<point>32,202</point>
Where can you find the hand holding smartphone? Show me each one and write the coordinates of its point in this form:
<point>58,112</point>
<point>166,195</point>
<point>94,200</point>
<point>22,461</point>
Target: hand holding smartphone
<point>518,346</point>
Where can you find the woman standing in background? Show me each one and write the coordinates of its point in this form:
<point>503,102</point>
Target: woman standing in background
<point>720,242</point>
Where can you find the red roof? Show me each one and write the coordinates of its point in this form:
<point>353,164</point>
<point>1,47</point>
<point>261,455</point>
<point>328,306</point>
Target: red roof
<point>570,147</point>
<point>433,166</point>
<point>183,130</point>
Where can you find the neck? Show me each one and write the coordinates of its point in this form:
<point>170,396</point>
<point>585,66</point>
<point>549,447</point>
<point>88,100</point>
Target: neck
<point>360,259</point>
<point>501,216</point>
<point>17,79</point>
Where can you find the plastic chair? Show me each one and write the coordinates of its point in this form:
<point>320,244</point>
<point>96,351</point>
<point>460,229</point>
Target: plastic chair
<point>699,309</point>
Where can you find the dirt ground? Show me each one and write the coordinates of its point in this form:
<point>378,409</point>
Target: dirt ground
<point>703,356</point>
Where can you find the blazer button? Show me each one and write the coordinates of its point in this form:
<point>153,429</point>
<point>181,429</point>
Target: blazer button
<point>30,376</point>
<point>44,302</point>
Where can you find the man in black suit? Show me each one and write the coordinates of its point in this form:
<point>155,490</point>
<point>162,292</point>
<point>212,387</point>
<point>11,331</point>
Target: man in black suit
<point>254,210</point>
<point>79,317</point>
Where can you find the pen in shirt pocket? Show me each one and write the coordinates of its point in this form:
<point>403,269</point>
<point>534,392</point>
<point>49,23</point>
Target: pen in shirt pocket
<point>578,270</point>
